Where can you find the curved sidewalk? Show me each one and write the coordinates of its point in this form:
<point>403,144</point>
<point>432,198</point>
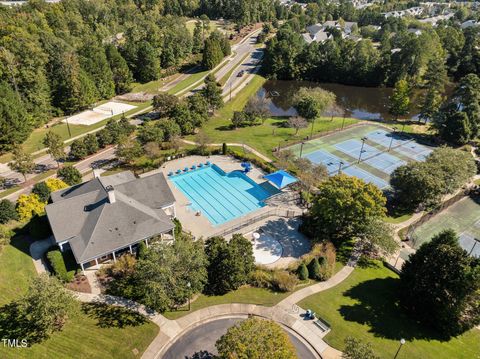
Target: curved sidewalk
<point>286,312</point>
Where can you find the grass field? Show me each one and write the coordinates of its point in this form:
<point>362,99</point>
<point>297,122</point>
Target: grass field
<point>265,137</point>
<point>191,26</point>
<point>365,306</point>
<point>184,85</point>
<point>93,335</point>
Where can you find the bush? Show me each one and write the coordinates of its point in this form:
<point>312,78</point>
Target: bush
<point>125,265</point>
<point>5,235</point>
<point>78,150</point>
<point>178,227</point>
<point>224,149</point>
<point>284,281</point>
<point>42,191</point>
<point>55,258</point>
<point>70,175</point>
<point>7,211</point>
<point>302,271</point>
<point>314,269</point>
<point>142,250</point>
<point>260,278</point>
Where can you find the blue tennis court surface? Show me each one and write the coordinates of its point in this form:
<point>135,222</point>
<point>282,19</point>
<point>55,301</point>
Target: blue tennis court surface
<point>353,147</point>
<point>330,161</point>
<point>366,176</point>
<point>400,144</point>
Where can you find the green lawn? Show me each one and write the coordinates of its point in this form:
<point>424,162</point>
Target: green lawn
<point>398,219</point>
<point>184,85</point>
<point>365,306</point>
<point>94,335</point>
<point>191,26</point>
<point>263,137</point>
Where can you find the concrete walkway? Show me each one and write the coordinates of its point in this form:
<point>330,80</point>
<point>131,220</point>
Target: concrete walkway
<point>37,250</point>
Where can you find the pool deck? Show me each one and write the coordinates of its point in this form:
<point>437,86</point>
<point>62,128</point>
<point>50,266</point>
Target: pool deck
<point>200,226</point>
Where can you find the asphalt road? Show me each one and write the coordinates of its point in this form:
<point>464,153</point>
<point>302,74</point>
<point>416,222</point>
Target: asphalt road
<point>201,341</point>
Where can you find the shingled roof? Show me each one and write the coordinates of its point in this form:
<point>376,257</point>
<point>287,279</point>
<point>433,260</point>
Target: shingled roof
<point>94,226</point>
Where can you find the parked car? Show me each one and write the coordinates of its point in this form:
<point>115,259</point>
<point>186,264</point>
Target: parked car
<point>241,73</point>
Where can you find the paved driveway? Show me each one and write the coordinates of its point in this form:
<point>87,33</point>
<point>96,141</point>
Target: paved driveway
<point>199,342</point>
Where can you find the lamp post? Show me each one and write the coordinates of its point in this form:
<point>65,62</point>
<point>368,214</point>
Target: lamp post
<point>189,285</point>
<point>311,131</point>
<point>473,247</point>
<point>391,141</point>
<point>68,127</point>
<point>403,127</point>
<point>402,341</point>
<point>344,116</point>
<point>301,148</point>
<point>361,149</point>
<point>340,164</point>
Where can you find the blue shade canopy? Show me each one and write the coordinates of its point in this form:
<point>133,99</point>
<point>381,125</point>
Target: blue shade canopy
<point>281,178</point>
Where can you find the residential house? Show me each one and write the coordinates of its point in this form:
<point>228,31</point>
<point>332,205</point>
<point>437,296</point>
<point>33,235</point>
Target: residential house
<point>107,216</point>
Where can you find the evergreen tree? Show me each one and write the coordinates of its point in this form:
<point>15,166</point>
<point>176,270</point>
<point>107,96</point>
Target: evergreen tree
<point>70,175</point>
<point>78,150</point>
<point>148,63</point>
<point>197,38</point>
<point>212,54</point>
<point>7,211</point>
<point>434,79</point>
<point>314,269</point>
<point>15,123</point>
<point>91,143</point>
<point>302,272</point>
<point>94,61</point>
<point>212,92</point>
<point>451,305</point>
<point>122,77</point>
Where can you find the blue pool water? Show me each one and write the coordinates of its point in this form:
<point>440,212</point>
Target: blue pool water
<point>220,196</point>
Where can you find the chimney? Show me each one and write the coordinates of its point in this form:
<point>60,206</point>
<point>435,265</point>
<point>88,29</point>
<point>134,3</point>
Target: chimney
<point>111,194</point>
<point>96,173</point>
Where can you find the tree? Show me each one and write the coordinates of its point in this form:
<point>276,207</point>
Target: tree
<point>212,54</point>
<point>239,119</point>
<point>122,77</point>
<point>164,103</point>
<point>54,143</point>
<point>90,142</point>
<point>229,263</point>
<point>314,269</point>
<point>400,99</point>
<point>161,277</point>
<point>150,63</point>
<point>424,183</point>
<point>128,150</point>
<point>70,175</point>
<point>342,207</point>
<point>197,45</point>
<point>104,138</point>
<point>257,108</point>
<point>310,103</point>
<point>451,304</point>
<point>356,349</point>
<point>170,129</point>
<point>48,305</point>
<point>212,92</point>
<point>7,211</point>
<point>302,272</point>
<point>202,141</point>
<point>28,206</point>
<point>78,150</point>
<point>22,162</point>
<point>434,79</point>
<point>148,133</point>
<point>297,123</point>
<point>14,120</point>
<point>256,338</point>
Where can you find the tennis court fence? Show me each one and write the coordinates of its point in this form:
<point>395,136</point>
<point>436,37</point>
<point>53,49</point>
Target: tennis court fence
<point>410,236</point>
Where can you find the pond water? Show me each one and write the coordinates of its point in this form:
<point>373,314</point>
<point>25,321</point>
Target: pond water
<point>364,103</point>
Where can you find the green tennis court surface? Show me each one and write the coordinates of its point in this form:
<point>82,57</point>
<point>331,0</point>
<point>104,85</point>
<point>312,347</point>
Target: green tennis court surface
<point>369,152</point>
<point>463,217</point>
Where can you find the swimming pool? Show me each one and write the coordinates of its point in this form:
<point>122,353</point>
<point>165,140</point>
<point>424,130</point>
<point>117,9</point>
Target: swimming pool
<point>220,196</point>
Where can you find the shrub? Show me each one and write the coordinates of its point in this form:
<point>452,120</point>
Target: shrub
<point>125,265</point>
<point>55,184</point>
<point>55,258</point>
<point>260,278</point>
<point>302,271</point>
<point>78,150</point>
<point>142,250</point>
<point>27,206</point>
<point>314,269</point>
<point>42,191</point>
<point>284,281</point>
<point>70,175</point>
<point>7,211</point>
<point>178,227</point>
<point>224,148</point>
<point>5,235</point>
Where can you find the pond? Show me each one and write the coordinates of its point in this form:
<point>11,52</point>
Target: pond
<point>364,103</point>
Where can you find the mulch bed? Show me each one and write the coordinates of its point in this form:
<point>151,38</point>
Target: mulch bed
<point>80,284</point>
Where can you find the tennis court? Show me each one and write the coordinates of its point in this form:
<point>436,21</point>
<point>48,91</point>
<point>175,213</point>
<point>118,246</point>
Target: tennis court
<point>463,217</point>
<point>368,143</point>
<point>99,113</point>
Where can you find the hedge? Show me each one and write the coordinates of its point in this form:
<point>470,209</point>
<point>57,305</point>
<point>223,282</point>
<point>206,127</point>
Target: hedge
<point>57,263</point>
